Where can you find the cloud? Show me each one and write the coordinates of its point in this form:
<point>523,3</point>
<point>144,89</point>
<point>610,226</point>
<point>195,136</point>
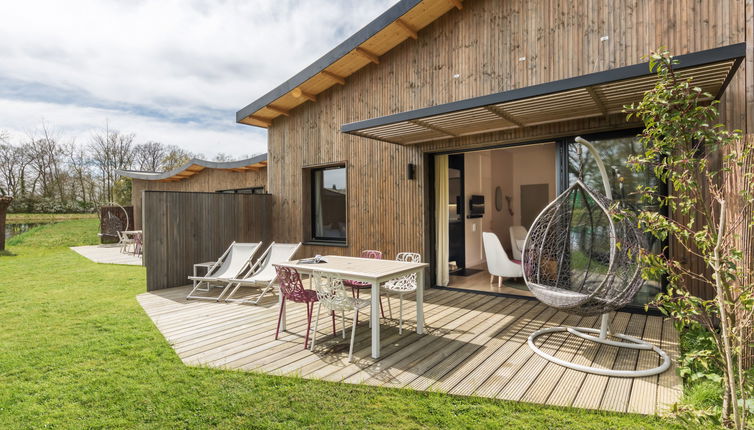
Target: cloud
<point>173,71</point>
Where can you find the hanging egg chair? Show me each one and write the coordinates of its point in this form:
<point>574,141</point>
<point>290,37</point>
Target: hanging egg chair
<point>580,259</point>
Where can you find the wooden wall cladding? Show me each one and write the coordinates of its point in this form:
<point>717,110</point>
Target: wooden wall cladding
<point>208,180</point>
<point>181,229</point>
<point>487,47</point>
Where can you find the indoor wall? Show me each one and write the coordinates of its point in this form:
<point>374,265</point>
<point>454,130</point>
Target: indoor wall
<point>510,169</point>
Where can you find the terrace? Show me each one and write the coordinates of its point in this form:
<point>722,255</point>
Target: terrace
<point>473,345</point>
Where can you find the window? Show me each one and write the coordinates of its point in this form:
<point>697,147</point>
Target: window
<point>328,204</point>
<point>250,190</point>
<point>614,152</point>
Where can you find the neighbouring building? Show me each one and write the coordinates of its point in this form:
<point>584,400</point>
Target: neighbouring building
<point>242,176</point>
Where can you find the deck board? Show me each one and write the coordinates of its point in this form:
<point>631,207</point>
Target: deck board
<point>473,345</point>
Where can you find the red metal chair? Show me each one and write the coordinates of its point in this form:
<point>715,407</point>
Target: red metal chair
<point>357,286</point>
<point>291,288</point>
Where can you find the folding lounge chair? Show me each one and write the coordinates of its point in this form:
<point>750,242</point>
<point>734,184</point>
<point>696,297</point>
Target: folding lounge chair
<point>234,263</point>
<point>262,274</point>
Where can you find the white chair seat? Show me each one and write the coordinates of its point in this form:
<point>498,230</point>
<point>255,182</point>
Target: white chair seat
<point>341,304</point>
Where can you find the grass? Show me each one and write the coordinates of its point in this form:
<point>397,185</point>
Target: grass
<point>77,351</point>
<point>19,218</point>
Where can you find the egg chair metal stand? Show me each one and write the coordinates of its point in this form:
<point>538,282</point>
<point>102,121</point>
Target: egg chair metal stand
<point>580,259</point>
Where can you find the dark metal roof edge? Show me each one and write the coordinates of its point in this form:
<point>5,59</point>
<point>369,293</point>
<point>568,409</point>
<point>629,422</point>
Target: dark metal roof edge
<point>348,45</point>
<point>156,176</point>
<point>709,56</point>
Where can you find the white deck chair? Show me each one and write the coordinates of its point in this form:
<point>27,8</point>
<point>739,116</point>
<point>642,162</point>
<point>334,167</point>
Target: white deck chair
<point>234,263</point>
<point>262,273</point>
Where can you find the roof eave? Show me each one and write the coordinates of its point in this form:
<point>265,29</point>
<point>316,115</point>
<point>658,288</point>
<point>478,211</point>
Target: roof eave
<point>361,36</point>
<point>155,176</point>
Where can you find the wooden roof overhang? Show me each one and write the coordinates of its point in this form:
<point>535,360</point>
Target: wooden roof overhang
<point>593,95</point>
<point>402,21</point>
<point>195,166</point>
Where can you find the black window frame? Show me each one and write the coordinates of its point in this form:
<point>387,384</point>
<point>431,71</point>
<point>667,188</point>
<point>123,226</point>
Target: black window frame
<point>313,238</point>
<point>252,190</point>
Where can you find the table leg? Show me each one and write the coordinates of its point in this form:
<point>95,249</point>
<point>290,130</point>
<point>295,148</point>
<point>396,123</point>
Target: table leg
<point>194,281</point>
<point>375,316</point>
<point>420,301</point>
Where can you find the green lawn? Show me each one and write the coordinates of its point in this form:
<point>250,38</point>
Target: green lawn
<point>77,351</point>
<point>16,218</point>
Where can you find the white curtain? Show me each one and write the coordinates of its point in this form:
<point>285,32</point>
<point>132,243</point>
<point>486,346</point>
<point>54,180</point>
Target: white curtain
<point>441,215</point>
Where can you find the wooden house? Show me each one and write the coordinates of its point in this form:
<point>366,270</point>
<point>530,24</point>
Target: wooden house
<point>242,176</point>
<point>438,101</point>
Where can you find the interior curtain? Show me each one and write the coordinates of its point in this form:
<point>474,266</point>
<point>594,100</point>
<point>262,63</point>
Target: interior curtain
<point>441,215</point>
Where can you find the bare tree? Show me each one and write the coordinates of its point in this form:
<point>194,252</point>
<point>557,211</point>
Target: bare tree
<point>175,157</point>
<point>79,164</point>
<point>110,151</point>
<point>149,156</point>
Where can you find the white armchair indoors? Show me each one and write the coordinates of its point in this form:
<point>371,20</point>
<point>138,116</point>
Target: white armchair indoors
<point>498,263</point>
<point>518,235</point>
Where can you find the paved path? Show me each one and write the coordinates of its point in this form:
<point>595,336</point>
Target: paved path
<point>107,254</point>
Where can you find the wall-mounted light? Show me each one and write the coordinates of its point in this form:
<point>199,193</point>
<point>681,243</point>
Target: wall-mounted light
<point>411,171</point>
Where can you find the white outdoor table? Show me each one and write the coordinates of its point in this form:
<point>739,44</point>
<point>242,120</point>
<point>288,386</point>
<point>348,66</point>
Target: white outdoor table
<point>374,272</point>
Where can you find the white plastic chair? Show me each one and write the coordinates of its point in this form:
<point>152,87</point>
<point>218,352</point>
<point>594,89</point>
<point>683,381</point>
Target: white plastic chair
<point>403,285</point>
<point>234,263</point>
<point>331,293</point>
<point>124,241</point>
<point>518,235</point>
<point>498,263</point>
<point>262,273</point>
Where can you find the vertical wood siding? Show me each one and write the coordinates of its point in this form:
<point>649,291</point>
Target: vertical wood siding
<point>182,228</point>
<point>208,180</point>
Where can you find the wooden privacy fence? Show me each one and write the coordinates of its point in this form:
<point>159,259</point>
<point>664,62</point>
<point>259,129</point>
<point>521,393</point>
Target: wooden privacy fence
<point>184,228</point>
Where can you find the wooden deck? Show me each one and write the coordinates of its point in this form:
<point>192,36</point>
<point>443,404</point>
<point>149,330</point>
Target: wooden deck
<point>473,345</point>
<point>108,254</point>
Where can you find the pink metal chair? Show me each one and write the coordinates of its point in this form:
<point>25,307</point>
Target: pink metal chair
<point>357,286</point>
<point>291,288</point>
<point>138,244</point>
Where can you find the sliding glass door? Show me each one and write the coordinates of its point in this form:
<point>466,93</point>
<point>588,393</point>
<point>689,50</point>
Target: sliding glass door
<point>615,149</point>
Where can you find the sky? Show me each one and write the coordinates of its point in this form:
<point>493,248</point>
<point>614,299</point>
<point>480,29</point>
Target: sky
<point>172,71</point>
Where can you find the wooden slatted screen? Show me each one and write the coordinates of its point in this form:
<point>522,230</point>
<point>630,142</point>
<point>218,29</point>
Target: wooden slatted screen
<point>183,228</point>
